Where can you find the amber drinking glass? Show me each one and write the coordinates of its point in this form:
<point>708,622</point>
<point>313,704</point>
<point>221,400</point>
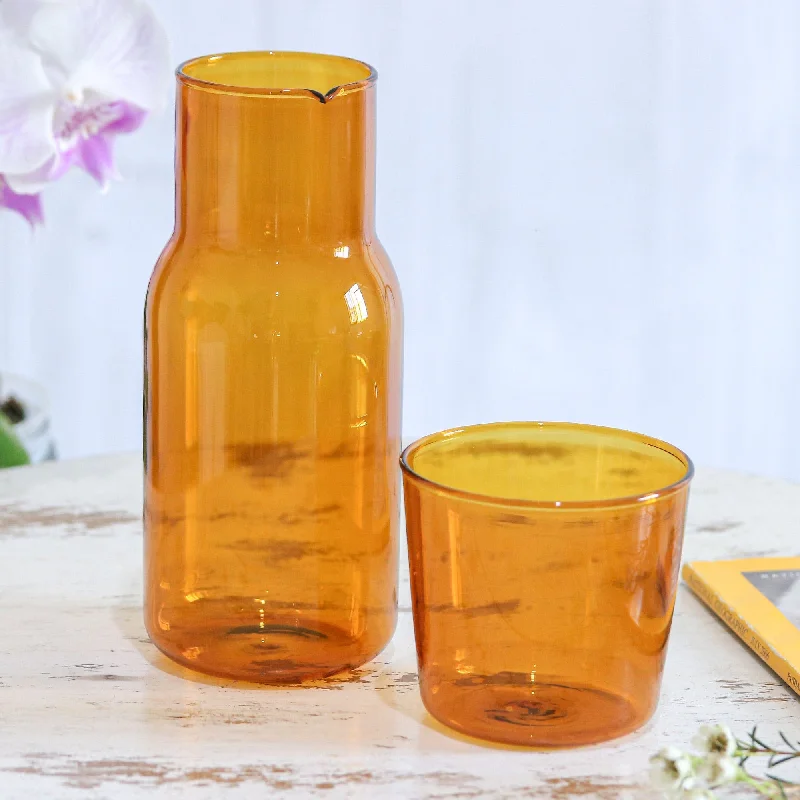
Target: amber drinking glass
<point>544,564</point>
<point>273,360</point>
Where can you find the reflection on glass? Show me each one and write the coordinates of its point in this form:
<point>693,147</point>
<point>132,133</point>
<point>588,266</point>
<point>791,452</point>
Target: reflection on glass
<point>355,304</point>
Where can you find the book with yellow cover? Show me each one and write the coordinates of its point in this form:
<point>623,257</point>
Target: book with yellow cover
<point>759,599</point>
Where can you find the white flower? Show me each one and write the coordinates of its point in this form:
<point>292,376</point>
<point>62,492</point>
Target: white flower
<point>73,75</point>
<point>671,770</point>
<point>715,739</point>
<point>716,770</point>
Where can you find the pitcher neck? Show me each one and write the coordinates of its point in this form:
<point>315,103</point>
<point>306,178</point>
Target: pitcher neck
<point>290,166</point>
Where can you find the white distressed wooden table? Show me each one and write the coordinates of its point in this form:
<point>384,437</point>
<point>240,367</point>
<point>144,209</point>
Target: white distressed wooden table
<point>90,709</point>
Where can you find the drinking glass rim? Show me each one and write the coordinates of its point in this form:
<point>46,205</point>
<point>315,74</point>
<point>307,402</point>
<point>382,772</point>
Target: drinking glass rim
<point>555,505</point>
<point>275,91</point>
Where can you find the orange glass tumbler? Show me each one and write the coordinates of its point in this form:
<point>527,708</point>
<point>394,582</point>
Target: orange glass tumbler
<point>544,565</point>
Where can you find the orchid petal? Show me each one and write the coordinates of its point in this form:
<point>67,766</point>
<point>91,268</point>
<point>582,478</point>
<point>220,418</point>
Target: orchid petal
<point>129,119</point>
<point>92,153</point>
<point>96,153</point>
<point>33,182</point>
<point>96,156</point>
<point>28,205</point>
<point>26,110</point>
<point>17,15</point>
<point>114,47</point>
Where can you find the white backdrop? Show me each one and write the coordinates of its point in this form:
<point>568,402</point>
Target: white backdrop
<point>592,207</point>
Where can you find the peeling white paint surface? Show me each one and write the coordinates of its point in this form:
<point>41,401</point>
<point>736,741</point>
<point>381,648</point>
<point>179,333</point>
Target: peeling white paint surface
<point>90,709</point>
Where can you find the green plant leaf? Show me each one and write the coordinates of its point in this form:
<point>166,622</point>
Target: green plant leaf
<point>12,453</point>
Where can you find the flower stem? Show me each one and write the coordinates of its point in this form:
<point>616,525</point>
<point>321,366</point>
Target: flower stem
<point>765,788</point>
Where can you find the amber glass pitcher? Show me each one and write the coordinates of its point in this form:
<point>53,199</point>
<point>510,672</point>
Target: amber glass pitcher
<point>273,363</point>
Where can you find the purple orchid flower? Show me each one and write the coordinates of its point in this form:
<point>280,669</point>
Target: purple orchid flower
<point>74,74</point>
<point>28,205</point>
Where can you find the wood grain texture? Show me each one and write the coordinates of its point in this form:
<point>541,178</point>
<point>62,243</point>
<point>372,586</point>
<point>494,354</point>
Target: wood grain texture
<point>91,710</point>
